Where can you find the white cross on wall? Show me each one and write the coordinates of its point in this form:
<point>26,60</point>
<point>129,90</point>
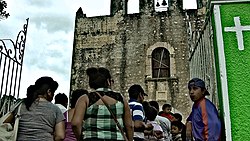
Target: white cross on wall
<point>239,30</point>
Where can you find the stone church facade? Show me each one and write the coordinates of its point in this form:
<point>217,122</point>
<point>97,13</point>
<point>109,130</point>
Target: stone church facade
<point>148,48</point>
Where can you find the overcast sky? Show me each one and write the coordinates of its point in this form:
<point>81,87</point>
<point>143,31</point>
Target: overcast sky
<point>49,40</point>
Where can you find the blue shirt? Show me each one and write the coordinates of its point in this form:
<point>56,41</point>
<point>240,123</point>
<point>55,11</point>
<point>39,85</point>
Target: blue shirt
<point>206,124</point>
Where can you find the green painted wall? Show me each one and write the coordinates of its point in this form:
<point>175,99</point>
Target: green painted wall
<point>238,69</point>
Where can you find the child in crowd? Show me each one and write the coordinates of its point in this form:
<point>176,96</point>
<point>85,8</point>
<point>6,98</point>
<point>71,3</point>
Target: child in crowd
<point>166,112</point>
<point>150,114</point>
<point>61,101</point>
<point>176,130</point>
<point>163,122</point>
<point>178,117</point>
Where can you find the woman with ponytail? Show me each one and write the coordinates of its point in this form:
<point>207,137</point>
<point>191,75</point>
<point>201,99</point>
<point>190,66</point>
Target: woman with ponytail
<point>40,119</point>
<point>99,124</point>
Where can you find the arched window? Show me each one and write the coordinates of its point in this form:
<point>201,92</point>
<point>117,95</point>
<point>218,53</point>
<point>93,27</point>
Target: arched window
<point>160,63</point>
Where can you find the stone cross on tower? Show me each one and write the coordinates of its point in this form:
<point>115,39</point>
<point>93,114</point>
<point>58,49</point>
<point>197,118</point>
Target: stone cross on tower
<point>239,31</point>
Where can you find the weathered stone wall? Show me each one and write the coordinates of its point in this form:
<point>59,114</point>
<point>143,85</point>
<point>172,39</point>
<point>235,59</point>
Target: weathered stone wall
<point>123,43</point>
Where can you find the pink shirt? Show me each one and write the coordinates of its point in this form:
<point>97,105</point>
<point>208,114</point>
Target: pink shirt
<point>69,135</point>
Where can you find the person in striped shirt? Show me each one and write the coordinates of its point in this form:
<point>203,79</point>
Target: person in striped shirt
<point>136,97</point>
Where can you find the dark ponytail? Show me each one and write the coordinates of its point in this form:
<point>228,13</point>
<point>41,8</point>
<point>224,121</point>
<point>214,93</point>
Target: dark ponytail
<point>30,96</point>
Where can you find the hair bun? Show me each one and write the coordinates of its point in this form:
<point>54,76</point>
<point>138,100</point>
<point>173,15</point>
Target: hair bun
<point>91,71</point>
<point>31,89</point>
<point>46,80</point>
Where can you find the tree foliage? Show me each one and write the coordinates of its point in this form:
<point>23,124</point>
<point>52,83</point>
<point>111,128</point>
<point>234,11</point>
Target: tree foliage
<point>3,13</point>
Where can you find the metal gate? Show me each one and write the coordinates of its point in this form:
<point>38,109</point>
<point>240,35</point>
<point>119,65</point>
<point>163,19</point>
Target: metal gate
<point>11,62</point>
<point>201,49</point>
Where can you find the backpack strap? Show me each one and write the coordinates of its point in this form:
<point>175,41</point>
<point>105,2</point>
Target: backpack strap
<point>18,102</point>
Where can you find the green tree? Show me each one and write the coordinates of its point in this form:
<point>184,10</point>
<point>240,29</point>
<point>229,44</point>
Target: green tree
<point>3,13</point>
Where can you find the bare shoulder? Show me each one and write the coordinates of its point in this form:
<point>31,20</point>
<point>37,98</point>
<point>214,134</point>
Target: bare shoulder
<point>83,99</point>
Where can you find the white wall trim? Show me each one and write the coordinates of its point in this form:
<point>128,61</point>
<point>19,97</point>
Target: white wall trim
<point>228,1</point>
<point>223,73</point>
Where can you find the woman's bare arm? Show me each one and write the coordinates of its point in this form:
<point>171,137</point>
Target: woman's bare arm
<point>77,120</point>
<point>59,131</point>
<point>128,121</point>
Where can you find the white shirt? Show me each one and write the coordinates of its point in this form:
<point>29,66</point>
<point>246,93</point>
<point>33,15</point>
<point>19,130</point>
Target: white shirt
<point>61,107</point>
<point>166,127</point>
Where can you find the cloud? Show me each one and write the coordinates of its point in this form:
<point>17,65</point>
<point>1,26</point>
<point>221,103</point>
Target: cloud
<point>39,3</point>
<point>53,23</point>
<point>36,73</point>
<point>53,53</point>
<point>49,40</point>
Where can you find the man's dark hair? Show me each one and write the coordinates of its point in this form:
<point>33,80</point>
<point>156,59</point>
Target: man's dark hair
<point>166,106</point>
<point>61,98</point>
<point>150,111</point>
<point>76,94</point>
<point>154,104</point>
<point>178,116</point>
<point>135,90</point>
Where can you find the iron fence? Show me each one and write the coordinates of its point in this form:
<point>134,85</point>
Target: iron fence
<point>201,57</point>
<point>11,62</point>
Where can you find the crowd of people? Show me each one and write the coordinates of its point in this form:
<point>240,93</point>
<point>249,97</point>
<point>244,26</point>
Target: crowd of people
<point>105,115</point>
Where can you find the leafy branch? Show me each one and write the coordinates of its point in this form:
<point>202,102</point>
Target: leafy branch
<point>3,13</point>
